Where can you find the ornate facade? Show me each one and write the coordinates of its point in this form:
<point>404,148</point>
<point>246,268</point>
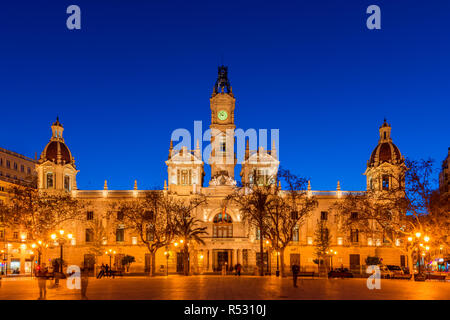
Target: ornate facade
<point>229,240</point>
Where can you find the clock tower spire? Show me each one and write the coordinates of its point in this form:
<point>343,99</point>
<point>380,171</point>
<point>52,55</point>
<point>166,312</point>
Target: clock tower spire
<point>222,103</point>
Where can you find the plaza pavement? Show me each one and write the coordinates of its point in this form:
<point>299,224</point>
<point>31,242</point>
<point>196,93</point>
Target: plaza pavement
<point>177,287</point>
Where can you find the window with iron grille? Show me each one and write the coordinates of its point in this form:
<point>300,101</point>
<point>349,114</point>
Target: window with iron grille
<point>324,216</point>
<point>120,235</point>
<point>89,235</point>
<point>354,235</point>
<point>90,215</point>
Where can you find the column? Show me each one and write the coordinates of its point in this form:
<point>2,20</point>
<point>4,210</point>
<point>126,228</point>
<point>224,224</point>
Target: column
<point>209,257</point>
<point>234,258</point>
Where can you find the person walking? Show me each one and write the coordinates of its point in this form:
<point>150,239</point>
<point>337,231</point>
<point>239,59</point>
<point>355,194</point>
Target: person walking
<point>84,282</point>
<point>238,269</point>
<point>107,270</point>
<point>41,276</point>
<point>102,272</point>
<point>295,271</point>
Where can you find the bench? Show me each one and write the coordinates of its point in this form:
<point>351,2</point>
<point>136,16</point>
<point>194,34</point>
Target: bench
<point>401,276</point>
<point>440,277</point>
<point>306,274</point>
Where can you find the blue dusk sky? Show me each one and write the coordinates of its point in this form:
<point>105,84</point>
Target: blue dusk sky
<point>137,70</point>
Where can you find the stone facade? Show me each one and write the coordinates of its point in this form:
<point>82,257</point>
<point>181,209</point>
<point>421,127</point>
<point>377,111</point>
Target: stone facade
<point>233,241</point>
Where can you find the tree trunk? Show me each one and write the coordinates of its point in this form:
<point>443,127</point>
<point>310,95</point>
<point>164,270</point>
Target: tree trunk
<point>261,255</point>
<point>283,274</point>
<point>152,263</point>
<point>186,260</point>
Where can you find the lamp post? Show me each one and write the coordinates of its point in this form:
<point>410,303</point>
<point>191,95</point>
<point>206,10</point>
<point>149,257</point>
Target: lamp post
<point>167,254</point>
<point>278,264</point>
<point>61,240</point>
<point>110,253</point>
<point>416,242</point>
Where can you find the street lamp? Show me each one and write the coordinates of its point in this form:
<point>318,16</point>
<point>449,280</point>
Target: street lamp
<point>278,264</point>
<point>417,243</point>
<point>167,254</point>
<point>110,253</point>
<point>61,240</point>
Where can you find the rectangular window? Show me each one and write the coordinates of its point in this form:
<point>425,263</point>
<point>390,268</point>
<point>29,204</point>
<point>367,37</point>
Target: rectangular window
<point>15,235</point>
<point>223,146</point>
<point>8,164</point>
<point>385,181</point>
<point>28,171</point>
<point>120,235</point>
<point>295,236</point>
<point>1,162</point>
<point>354,235</point>
<point>324,216</point>
<point>309,240</point>
<point>354,215</point>
<point>89,235</point>
<point>150,236</point>
<point>67,183</point>
<point>294,215</point>
<point>49,180</point>
<point>90,215</point>
<point>245,257</point>
<point>120,215</point>
<point>2,234</point>
<point>22,168</point>
<point>340,241</point>
<point>15,166</point>
<point>258,234</point>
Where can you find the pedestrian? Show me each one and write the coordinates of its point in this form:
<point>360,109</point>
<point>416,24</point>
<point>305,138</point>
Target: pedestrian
<point>238,269</point>
<point>84,282</point>
<point>107,270</point>
<point>102,272</point>
<point>295,270</point>
<point>41,276</point>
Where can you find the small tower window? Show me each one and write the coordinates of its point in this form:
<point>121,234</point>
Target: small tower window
<point>49,180</point>
<point>67,183</point>
<point>385,181</point>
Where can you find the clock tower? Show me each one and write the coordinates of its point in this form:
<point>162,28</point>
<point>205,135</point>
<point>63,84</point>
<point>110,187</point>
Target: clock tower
<point>223,158</point>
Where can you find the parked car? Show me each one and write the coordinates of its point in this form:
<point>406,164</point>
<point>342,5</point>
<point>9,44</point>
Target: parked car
<point>340,273</point>
<point>391,271</point>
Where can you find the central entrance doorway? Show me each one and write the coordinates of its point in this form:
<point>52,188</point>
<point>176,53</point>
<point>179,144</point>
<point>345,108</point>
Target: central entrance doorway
<point>222,258</point>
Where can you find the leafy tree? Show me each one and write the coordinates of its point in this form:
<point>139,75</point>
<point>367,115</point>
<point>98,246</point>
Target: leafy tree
<point>186,225</point>
<point>370,261</point>
<point>127,261</point>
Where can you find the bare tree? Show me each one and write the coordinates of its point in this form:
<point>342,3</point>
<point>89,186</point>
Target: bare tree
<point>410,206</point>
<point>38,213</point>
<point>322,243</point>
<point>287,211</point>
<point>151,218</point>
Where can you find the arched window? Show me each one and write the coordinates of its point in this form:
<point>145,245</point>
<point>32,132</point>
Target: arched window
<point>222,226</point>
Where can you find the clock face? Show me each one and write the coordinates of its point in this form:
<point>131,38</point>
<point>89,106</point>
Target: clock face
<point>222,115</point>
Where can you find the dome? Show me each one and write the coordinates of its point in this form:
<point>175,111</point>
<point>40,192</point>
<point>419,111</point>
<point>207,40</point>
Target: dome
<point>385,152</point>
<point>56,150</point>
<point>51,152</point>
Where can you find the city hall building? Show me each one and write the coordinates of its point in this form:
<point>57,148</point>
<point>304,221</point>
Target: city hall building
<point>229,240</point>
